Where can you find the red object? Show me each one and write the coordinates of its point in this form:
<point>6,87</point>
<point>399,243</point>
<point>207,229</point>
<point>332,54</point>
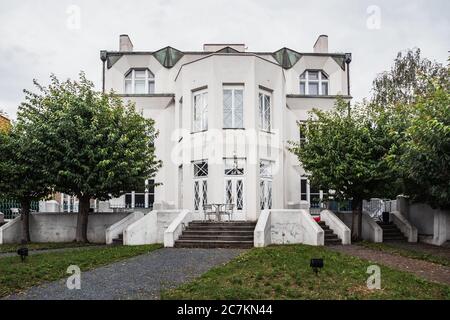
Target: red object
<point>317,218</point>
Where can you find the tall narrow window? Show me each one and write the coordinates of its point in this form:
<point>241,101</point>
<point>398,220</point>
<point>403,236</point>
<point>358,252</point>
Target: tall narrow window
<point>200,185</point>
<point>302,129</point>
<point>314,82</point>
<point>139,81</point>
<point>200,112</point>
<point>264,111</point>
<point>233,108</point>
<point>265,185</point>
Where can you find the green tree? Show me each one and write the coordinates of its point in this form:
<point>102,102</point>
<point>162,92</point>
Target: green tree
<point>422,157</point>
<point>97,147</point>
<point>23,174</point>
<point>343,152</point>
<point>410,77</point>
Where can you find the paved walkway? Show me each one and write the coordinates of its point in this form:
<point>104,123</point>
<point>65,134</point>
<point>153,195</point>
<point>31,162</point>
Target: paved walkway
<point>442,251</point>
<point>427,270</point>
<point>138,278</point>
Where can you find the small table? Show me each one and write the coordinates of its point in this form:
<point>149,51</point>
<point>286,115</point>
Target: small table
<point>218,206</point>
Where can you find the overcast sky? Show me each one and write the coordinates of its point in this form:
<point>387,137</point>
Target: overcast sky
<point>39,37</point>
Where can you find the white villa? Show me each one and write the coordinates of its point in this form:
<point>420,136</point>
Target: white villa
<point>225,116</point>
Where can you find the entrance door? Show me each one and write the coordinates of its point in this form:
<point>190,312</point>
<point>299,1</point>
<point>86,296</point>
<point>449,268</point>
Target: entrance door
<point>234,194</point>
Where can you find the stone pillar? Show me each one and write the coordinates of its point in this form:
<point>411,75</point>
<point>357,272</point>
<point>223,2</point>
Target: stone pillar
<point>146,194</point>
<point>403,205</point>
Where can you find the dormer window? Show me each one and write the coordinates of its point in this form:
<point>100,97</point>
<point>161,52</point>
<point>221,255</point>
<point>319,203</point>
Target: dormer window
<point>139,81</point>
<point>314,82</point>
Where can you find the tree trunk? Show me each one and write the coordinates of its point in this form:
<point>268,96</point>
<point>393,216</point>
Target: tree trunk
<point>25,217</point>
<point>356,219</point>
<point>82,220</point>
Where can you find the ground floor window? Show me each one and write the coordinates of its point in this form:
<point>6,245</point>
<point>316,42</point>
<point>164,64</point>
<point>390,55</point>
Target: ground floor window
<point>234,182</point>
<point>200,185</point>
<point>265,184</point>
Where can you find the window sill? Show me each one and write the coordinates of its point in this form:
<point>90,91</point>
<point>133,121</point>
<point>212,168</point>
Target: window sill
<point>265,131</point>
<point>201,131</point>
<point>233,128</point>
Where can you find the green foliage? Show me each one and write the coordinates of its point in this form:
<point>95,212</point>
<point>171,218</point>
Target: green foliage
<point>95,146</point>
<point>23,172</point>
<point>344,152</point>
<point>422,155</point>
<point>410,77</point>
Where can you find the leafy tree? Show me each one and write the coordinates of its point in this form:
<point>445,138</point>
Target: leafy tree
<point>343,152</point>
<point>409,78</point>
<point>422,156</point>
<point>97,147</point>
<point>23,175</point>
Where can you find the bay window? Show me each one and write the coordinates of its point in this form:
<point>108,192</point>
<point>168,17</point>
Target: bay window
<point>314,82</point>
<point>139,81</point>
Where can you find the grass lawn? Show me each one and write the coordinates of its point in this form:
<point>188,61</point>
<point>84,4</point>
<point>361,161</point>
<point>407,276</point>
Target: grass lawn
<point>16,276</point>
<point>386,247</point>
<point>283,272</point>
<point>5,248</point>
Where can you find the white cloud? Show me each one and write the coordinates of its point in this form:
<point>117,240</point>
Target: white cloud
<point>35,40</point>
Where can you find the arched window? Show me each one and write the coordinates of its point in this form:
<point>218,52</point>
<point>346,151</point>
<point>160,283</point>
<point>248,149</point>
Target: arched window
<point>314,82</point>
<point>139,81</point>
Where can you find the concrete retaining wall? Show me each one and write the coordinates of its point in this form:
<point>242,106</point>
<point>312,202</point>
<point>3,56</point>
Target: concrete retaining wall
<point>59,227</point>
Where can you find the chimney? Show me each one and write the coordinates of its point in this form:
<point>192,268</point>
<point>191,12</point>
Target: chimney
<point>321,45</point>
<point>125,43</point>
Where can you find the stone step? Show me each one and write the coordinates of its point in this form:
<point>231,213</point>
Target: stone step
<point>219,233</point>
<point>215,237</point>
<point>331,236</point>
<point>333,242</point>
<point>226,224</point>
<point>220,228</point>
<point>117,242</point>
<point>213,244</point>
<point>394,237</point>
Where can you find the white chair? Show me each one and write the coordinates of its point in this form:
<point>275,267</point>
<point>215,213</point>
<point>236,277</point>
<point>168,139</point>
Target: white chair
<point>208,211</point>
<point>228,210</point>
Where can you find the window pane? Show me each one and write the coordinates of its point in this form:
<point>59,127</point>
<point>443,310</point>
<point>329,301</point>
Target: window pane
<point>302,88</point>
<point>313,75</point>
<point>303,76</point>
<point>267,113</point>
<point>128,86</point>
<point>227,109</point>
<point>239,109</point>
<point>151,87</point>
<point>313,88</point>
<point>129,75</point>
<point>205,111</point>
<point>139,86</point>
<point>325,88</point>
<point>140,74</point>
<point>261,111</point>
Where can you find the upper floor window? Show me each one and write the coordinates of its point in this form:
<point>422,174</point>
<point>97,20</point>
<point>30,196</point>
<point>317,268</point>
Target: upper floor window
<point>314,82</point>
<point>139,81</point>
<point>233,107</point>
<point>264,111</point>
<point>200,111</point>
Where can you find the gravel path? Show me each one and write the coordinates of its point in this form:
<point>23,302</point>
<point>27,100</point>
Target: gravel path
<point>138,278</point>
<point>427,270</point>
<point>442,251</point>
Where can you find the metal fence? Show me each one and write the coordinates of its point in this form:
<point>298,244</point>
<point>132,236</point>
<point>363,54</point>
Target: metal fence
<point>7,204</point>
<point>376,207</point>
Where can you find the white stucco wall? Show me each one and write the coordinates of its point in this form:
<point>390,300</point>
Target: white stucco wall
<point>60,227</point>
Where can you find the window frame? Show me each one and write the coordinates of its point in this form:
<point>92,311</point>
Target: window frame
<point>233,90</point>
<point>204,118</point>
<point>322,79</point>
<point>149,78</point>
<point>262,121</point>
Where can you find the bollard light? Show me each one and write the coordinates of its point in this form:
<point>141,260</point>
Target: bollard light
<point>316,265</point>
<point>23,253</point>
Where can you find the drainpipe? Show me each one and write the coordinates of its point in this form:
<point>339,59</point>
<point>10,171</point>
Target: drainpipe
<point>348,60</point>
<point>103,57</point>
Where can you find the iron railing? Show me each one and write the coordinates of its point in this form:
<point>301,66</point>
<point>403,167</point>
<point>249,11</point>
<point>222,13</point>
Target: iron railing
<point>7,204</point>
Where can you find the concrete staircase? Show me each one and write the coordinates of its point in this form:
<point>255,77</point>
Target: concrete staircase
<point>119,240</point>
<point>391,232</point>
<point>331,239</point>
<point>200,234</point>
